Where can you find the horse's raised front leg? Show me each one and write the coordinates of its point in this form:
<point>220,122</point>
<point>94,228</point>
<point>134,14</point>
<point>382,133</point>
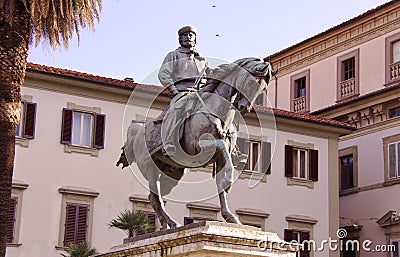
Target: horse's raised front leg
<point>157,203</point>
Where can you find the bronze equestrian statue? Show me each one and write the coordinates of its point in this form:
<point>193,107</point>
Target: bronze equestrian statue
<point>206,133</point>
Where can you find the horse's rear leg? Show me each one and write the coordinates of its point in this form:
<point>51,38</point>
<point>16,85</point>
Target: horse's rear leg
<point>157,203</point>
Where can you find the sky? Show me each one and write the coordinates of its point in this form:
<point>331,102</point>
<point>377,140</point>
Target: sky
<point>133,37</point>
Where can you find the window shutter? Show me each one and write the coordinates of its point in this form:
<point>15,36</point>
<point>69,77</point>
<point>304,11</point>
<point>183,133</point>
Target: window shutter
<point>29,120</point>
<point>82,223</point>
<point>11,220</point>
<point>188,220</point>
<point>66,129</point>
<point>288,235</point>
<point>243,146</point>
<point>313,165</point>
<point>289,161</point>
<point>151,220</point>
<point>266,157</point>
<point>305,236</point>
<point>99,129</point>
<point>70,222</point>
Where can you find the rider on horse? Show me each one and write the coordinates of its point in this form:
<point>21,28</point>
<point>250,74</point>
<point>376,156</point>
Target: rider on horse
<point>182,70</point>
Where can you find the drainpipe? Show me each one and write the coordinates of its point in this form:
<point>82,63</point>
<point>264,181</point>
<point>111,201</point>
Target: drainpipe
<point>276,92</point>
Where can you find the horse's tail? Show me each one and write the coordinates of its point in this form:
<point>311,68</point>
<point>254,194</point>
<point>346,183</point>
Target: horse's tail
<point>128,155</point>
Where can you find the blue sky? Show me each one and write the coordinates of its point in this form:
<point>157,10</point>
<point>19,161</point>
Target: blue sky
<point>133,37</point>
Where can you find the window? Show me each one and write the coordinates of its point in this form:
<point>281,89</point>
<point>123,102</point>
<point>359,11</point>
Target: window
<point>76,223</point>
<point>348,81</point>
<point>392,59</point>
<point>14,213</point>
<point>349,68</point>
<point>394,160</point>
<point>142,203</point>
<point>391,153</point>
<point>394,112</point>
<point>299,237</point>
<point>76,215</point>
<point>300,92</point>
<point>301,163</point>
<point>396,243</point>
<point>346,169</point>
<point>11,220</point>
<point>301,230</point>
<point>151,218</point>
<point>259,155</point>
<point>300,85</point>
<point>83,129</point>
<point>26,127</point>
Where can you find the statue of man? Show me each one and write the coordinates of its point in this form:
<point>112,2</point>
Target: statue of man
<point>179,71</point>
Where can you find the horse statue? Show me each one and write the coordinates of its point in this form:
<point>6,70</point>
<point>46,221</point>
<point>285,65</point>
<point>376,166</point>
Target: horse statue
<point>208,135</point>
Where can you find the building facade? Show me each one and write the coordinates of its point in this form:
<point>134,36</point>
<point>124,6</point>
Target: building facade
<point>350,73</point>
<point>67,189</point>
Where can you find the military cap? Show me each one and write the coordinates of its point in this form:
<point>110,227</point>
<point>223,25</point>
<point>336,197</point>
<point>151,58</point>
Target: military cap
<point>187,29</point>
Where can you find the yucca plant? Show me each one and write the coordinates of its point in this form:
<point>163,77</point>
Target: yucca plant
<point>131,222</point>
<point>79,250</point>
<point>23,22</point>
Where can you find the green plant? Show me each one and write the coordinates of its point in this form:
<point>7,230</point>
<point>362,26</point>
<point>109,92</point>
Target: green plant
<point>131,222</point>
<point>80,250</point>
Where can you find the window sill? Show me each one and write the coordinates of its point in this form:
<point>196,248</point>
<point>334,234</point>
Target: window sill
<point>349,191</point>
<point>23,142</point>
<point>391,182</point>
<point>300,182</point>
<point>13,244</point>
<point>391,82</point>
<point>60,248</point>
<point>80,149</point>
<point>254,175</point>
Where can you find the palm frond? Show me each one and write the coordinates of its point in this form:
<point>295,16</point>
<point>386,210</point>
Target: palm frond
<point>80,250</point>
<point>130,222</point>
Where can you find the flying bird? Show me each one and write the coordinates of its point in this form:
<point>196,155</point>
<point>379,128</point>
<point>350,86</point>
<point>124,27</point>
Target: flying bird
<point>214,6</point>
<point>217,35</point>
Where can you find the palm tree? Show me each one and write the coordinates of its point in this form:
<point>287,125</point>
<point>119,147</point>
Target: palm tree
<point>23,22</point>
<point>131,222</point>
<point>80,250</point>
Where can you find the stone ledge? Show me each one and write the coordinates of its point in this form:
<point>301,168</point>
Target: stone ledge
<point>207,238</point>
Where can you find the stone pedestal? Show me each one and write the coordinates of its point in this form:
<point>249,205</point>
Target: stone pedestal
<point>205,239</point>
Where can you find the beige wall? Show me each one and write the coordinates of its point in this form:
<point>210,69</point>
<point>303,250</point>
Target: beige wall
<point>45,167</point>
<point>323,75</point>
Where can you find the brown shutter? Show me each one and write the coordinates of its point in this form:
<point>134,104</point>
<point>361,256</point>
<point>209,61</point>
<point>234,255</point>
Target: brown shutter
<point>70,223</point>
<point>313,165</point>
<point>266,157</point>
<point>11,220</point>
<point>29,120</point>
<point>66,129</point>
<point>82,223</point>
<point>99,129</point>
<point>288,235</point>
<point>188,220</point>
<point>288,161</point>
<point>151,220</point>
<point>305,236</point>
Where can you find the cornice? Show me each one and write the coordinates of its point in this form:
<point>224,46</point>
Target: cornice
<point>328,44</point>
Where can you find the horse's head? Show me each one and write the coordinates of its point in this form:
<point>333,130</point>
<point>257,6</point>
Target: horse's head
<point>257,75</point>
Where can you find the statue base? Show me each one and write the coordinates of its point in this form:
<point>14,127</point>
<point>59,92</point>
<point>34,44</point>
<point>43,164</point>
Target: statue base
<point>207,238</point>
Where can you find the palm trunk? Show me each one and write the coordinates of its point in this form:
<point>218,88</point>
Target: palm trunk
<point>14,40</point>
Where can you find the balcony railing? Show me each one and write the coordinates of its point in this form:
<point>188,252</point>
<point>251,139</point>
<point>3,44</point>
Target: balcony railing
<point>347,88</point>
<point>394,70</point>
<point>299,104</point>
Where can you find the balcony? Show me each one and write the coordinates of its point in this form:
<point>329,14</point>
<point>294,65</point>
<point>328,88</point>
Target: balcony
<point>347,88</point>
<point>299,104</point>
<point>394,71</point>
